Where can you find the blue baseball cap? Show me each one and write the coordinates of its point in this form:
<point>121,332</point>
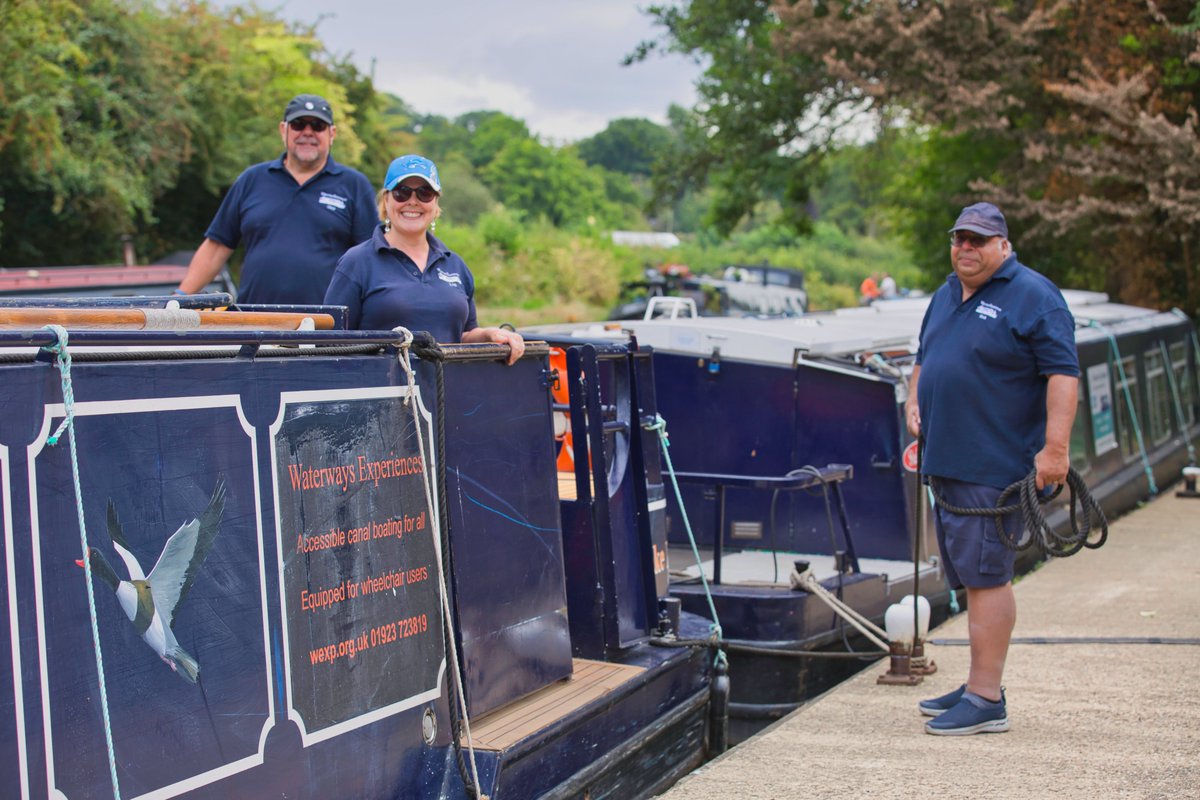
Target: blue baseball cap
<point>982,218</point>
<point>411,166</point>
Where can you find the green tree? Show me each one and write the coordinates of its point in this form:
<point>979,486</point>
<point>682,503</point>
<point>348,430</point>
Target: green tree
<point>92,129</point>
<point>1078,117</point>
<point>490,132</point>
<point>543,182</point>
<point>127,116</point>
<point>762,121</point>
<point>438,137</point>
<point>465,199</point>
<point>630,146</point>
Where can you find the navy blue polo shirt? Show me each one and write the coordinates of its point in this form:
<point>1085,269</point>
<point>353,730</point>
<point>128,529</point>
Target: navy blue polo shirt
<point>381,288</point>
<point>293,234</point>
<point>984,367</point>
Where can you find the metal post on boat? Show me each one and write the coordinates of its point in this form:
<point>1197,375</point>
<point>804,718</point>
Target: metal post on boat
<point>718,709</point>
<point>920,664</point>
<point>901,633</point>
<point>719,534</point>
<point>1190,474</point>
<point>127,254</point>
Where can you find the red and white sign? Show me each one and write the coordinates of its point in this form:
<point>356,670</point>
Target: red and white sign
<point>910,456</point>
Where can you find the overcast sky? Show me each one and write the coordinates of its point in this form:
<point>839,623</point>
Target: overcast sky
<point>556,64</point>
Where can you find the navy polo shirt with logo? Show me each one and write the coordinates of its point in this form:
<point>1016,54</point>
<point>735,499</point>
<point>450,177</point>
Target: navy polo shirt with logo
<point>293,234</point>
<point>984,368</point>
<point>382,288</point>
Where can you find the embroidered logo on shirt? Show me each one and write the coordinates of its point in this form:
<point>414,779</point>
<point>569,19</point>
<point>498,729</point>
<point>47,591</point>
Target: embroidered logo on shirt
<point>450,277</point>
<point>333,201</point>
<point>985,310</point>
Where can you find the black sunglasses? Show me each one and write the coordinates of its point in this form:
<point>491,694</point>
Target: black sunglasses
<point>402,193</point>
<point>301,123</point>
<point>960,238</point>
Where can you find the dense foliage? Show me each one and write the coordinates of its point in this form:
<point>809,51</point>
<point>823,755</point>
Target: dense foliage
<point>1078,116</point>
<point>837,137</point>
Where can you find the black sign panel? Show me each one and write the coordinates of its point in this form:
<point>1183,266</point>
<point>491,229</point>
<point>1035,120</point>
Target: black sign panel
<point>360,560</point>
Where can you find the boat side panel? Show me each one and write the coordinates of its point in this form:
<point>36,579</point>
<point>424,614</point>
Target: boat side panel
<point>228,734</point>
<point>506,532</point>
<point>754,419</point>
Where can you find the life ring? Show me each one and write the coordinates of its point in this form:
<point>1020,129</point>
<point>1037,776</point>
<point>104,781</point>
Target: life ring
<point>562,420</point>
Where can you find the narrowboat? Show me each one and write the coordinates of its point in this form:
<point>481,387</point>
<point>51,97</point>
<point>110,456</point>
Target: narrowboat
<point>248,553</point>
<point>754,405</point>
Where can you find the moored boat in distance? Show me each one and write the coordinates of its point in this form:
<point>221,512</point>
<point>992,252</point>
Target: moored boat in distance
<point>311,572</point>
<point>752,402</point>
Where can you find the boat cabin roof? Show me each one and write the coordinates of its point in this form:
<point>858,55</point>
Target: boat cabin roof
<point>883,327</point>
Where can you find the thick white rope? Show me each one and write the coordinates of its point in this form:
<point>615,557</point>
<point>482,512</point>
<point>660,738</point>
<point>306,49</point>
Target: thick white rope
<point>170,319</point>
<point>808,582</point>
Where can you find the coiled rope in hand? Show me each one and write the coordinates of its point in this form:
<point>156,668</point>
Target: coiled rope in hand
<point>1037,531</point>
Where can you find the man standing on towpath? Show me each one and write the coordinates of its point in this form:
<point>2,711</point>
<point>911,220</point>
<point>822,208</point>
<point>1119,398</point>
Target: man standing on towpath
<point>296,215</point>
<point>994,394</point>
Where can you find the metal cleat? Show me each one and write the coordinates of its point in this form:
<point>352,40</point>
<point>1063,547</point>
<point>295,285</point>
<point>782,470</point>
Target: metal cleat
<point>1190,474</point>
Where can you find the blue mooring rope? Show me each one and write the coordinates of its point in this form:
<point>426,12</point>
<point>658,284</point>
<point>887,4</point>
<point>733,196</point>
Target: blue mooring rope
<point>660,427</point>
<point>63,359</point>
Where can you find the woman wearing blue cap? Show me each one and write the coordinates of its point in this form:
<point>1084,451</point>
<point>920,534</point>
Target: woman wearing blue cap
<point>404,275</point>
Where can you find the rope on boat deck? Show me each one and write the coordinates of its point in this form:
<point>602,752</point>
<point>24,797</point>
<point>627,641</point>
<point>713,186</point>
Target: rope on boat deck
<point>63,360</point>
<point>659,426</point>
<point>808,582</point>
<point>431,351</point>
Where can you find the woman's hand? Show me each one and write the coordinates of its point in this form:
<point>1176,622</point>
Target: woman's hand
<point>514,340</point>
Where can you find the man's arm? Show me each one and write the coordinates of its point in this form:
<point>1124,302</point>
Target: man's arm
<point>1062,397</point>
<point>205,264</point>
<point>912,410</point>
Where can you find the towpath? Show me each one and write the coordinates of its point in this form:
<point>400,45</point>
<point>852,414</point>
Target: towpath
<point>1089,721</point>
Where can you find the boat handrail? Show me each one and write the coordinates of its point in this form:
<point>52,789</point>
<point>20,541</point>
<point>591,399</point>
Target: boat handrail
<point>192,301</point>
<point>670,307</point>
<point>830,475</point>
<point>783,483</point>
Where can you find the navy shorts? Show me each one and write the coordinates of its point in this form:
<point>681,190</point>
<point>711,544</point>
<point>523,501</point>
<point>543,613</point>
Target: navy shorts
<point>972,552</point>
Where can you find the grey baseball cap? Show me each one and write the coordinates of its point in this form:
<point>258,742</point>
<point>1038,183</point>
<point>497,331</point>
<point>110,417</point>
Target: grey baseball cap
<point>982,218</point>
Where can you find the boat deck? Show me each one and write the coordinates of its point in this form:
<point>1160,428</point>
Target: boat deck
<point>1088,720</point>
<point>772,568</point>
<point>589,681</point>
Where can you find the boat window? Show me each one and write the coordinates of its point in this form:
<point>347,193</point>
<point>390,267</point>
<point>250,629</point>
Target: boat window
<point>1081,435</point>
<point>1185,380</point>
<point>1158,392</point>
<point>1126,393</point>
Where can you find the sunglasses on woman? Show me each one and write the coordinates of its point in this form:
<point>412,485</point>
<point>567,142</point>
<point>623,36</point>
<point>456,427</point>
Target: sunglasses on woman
<point>317,125</point>
<point>402,193</point>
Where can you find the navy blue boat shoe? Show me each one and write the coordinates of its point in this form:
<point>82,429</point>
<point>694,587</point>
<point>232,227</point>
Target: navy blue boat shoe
<point>971,714</point>
<point>936,705</point>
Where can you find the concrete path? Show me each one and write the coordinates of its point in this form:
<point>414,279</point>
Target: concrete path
<point>1088,721</point>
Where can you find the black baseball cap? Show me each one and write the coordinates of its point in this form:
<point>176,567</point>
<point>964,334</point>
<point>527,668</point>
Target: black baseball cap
<point>308,105</point>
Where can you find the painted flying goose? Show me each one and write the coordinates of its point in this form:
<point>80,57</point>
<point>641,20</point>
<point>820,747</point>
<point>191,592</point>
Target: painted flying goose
<point>150,600</point>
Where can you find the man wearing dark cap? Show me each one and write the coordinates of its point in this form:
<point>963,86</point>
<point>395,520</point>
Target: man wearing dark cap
<point>993,394</point>
<point>296,215</point>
